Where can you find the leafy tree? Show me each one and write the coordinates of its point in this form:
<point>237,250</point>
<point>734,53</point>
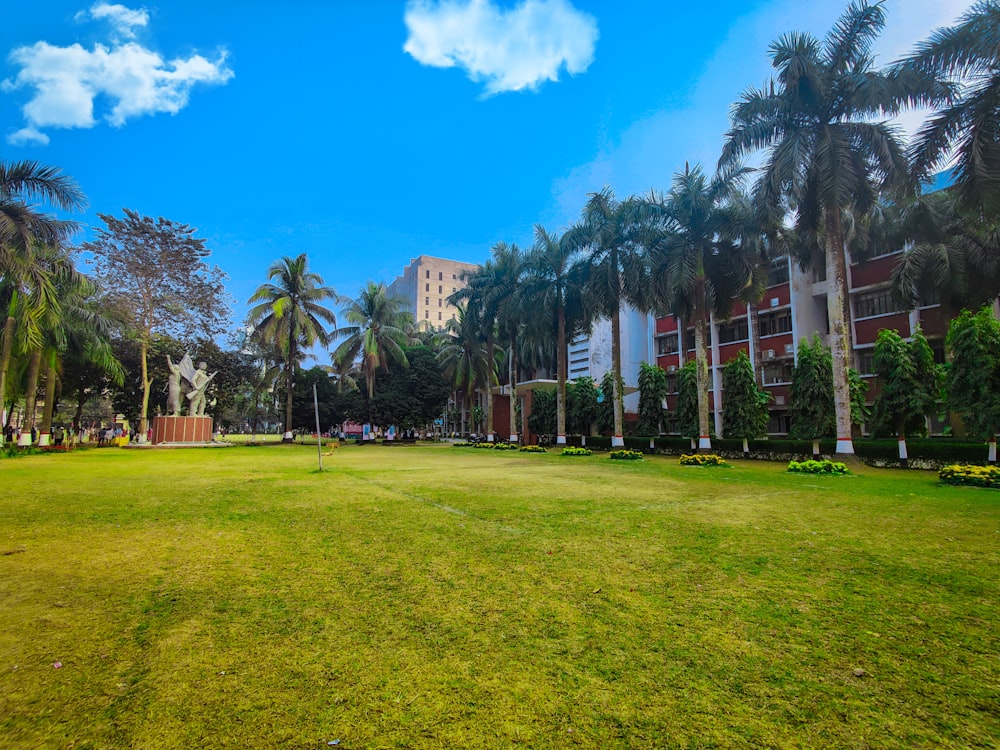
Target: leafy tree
<point>973,377</point>
<point>606,407</point>
<point>413,396</point>
<point>652,391</point>
<point>542,420</point>
<point>154,275</point>
<point>687,401</point>
<point>582,408</point>
<point>378,332</point>
<point>289,314</point>
<point>910,386</point>
<point>830,151</point>
<point>811,409</point>
<point>303,409</point>
<point>744,405</point>
<point>606,234</point>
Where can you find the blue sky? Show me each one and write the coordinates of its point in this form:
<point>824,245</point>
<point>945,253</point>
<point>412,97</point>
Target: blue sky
<point>367,133</point>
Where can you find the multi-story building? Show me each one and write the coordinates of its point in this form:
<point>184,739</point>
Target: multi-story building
<point>426,283</point>
<point>795,307</point>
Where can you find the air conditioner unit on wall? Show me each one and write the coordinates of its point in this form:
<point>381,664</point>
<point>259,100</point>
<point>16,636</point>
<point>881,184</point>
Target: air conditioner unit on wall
<point>672,368</point>
<point>789,348</point>
<point>779,400</point>
<point>769,354</point>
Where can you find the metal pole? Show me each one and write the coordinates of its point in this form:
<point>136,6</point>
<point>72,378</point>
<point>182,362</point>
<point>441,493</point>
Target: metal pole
<point>319,435</point>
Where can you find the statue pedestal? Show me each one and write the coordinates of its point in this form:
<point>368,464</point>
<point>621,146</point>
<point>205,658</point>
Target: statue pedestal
<point>182,430</point>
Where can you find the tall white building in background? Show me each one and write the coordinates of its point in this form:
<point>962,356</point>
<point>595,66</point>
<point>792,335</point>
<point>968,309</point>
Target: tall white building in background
<point>426,283</point>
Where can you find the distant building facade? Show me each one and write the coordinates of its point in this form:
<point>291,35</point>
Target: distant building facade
<point>425,285</point>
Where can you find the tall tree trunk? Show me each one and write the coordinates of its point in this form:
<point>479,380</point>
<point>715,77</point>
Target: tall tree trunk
<point>618,440</point>
<point>512,387</point>
<point>147,386</point>
<point>30,397</point>
<point>561,376</point>
<point>5,350</point>
<point>289,380</point>
<point>753,320</point>
<point>45,431</point>
<point>491,377</point>
<point>701,367</point>
<point>840,339</point>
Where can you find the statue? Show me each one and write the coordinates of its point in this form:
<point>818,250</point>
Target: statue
<point>197,384</point>
<point>196,396</point>
<point>173,389</point>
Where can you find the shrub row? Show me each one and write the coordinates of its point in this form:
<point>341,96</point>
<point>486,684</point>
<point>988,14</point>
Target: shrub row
<point>702,459</point>
<point>975,476</point>
<point>817,467</point>
<point>624,454</point>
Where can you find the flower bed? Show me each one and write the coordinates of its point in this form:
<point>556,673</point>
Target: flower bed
<point>699,459</point>
<point>973,476</point>
<point>531,449</point>
<point>571,451</point>
<point>624,454</point>
<point>817,467</point>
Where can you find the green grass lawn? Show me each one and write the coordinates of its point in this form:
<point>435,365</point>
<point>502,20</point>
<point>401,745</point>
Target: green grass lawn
<point>434,597</point>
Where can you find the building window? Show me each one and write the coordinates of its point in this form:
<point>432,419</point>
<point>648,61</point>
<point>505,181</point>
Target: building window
<point>667,344</point>
<point>440,276</point>
<point>779,423</point>
<point>428,274</point>
<point>689,337</point>
<point>671,383</point>
<point>427,287</point>
<point>778,372</point>
<point>427,300</point>
<point>870,304</point>
<point>775,323</point>
<point>439,316</point>
<point>866,361</point>
<point>929,298</point>
<point>777,271</point>
<point>427,314</point>
<point>453,277</point>
<point>937,346</point>
<point>439,302</point>
<point>440,290</point>
<point>734,330</point>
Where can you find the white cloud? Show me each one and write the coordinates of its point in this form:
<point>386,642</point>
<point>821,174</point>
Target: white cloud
<point>121,18</point>
<point>134,80</point>
<point>508,50</point>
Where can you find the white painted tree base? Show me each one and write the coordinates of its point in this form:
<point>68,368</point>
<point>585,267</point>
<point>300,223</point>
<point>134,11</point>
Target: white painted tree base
<point>617,442</point>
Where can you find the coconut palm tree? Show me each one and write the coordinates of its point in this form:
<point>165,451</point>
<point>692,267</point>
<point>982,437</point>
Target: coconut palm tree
<point>607,235</point>
<point>555,284</point>
<point>288,312</point>
<point>965,133</point>
<point>380,329</point>
<point>465,358</point>
<point>695,267</point>
<point>828,152</point>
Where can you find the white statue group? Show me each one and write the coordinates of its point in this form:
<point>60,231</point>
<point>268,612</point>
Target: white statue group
<point>193,390</point>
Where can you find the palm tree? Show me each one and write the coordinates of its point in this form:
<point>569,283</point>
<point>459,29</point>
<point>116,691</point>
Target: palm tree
<point>556,281</point>
<point>26,291</point>
<point>695,267</point>
<point>464,356</point>
<point>504,296</point>
<point>827,152</point>
<point>966,132</point>
<point>343,370</point>
<point>379,331</point>
<point>606,233</point>
<point>288,312</point>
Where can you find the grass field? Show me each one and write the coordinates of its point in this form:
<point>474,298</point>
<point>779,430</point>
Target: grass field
<point>433,597</point>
